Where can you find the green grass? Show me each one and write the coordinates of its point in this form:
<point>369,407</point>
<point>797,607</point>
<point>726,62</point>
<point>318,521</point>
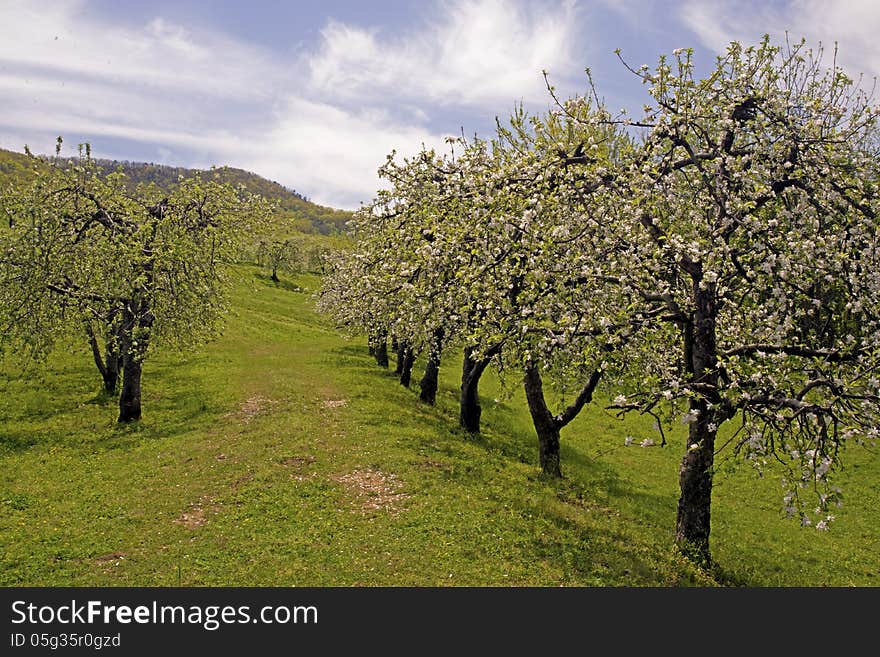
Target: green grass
<point>248,469</point>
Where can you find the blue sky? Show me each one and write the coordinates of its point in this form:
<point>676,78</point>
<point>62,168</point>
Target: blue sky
<point>316,94</point>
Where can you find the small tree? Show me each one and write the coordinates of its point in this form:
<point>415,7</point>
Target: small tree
<point>350,296</point>
<point>281,255</point>
<point>149,267</point>
<point>547,215</point>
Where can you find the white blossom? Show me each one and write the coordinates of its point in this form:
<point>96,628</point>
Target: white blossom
<point>691,416</point>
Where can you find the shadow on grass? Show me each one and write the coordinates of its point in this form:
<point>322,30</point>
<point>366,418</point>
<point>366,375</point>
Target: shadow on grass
<point>589,487</point>
<point>600,479</point>
<point>19,441</point>
<point>104,398</point>
<point>66,420</point>
<point>726,578</point>
<point>281,283</point>
<point>356,358</point>
<point>587,482</point>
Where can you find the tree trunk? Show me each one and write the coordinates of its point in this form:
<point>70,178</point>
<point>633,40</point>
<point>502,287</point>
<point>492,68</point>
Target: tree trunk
<point>469,400</point>
<point>107,365</point>
<point>695,474</point>
<point>381,352</point>
<point>134,337</point>
<point>275,274</point>
<point>130,398</point>
<point>429,383</point>
<point>111,371</point>
<point>406,365</point>
<point>400,351</point>
<point>546,425</point>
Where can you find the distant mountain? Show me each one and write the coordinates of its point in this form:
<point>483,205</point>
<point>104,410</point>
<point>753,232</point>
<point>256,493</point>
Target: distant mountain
<point>304,215</point>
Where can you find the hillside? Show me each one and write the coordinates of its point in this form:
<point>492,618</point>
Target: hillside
<point>303,215</point>
<point>14,167</point>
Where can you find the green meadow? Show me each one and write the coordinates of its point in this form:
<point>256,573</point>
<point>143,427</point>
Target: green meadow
<point>281,455</point>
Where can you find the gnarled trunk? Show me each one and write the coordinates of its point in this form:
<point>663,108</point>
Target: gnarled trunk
<point>130,397</point>
<point>429,382</point>
<point>695,474</point>
<point>108,364</point>
<point>111,371</point>
<point>406,359</point>
<point>134,340</point>
<point>400,353</point>
<point>469,410</point>
<point>546,425</point>
<point>381,352</point>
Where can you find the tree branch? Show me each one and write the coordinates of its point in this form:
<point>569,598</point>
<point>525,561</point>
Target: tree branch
<point>584,397</point>
<point>803,352</point>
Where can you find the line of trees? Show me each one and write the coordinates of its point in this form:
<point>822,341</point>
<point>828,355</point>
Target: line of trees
<point>83,254</point>
<point>712,261</point>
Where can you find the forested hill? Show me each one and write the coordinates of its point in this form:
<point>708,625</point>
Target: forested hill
<point>13,166</point>
<point>305,216</point>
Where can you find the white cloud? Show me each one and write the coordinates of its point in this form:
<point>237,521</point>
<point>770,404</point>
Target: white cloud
<point>63,73</point>
<point>116,104</point>
<point>321,124</point>
<point>56,36</point>
<point>325,152</point>
<point>319,146</point>
<point>853,24</point>
<point>476,52</point>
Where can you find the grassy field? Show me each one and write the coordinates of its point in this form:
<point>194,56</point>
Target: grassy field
<point>281,455</point>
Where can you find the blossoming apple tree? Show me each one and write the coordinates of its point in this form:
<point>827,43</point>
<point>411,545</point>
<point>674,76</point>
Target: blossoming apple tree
<point>144,268</point>
<point>754,201</point>
<point>720,266</point>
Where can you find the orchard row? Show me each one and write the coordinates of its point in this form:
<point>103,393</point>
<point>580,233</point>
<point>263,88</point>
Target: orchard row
<point>712,261</point>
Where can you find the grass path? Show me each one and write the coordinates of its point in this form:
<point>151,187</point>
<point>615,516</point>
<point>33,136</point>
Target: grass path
<point>280,455</point>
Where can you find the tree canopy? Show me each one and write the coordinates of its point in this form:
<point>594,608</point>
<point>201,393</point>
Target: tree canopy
<point>147,267</point>
<point>713,260</point>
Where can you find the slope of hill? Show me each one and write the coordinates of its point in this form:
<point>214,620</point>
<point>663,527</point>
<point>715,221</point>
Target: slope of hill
<point>303,215</point>
<point>307,217</point>
<point>13,166</point>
